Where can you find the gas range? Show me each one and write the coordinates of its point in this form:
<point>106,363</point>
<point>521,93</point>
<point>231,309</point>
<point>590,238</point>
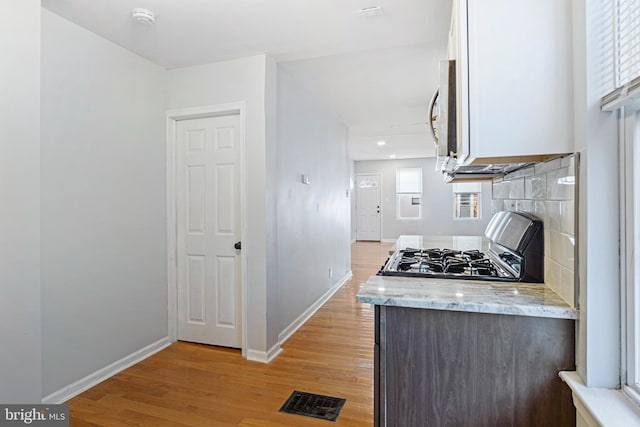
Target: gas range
<point>515,253</point>
<point>446,264</point>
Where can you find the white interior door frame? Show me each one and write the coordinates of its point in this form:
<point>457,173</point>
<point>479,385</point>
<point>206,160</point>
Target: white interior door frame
<point>173,116</point>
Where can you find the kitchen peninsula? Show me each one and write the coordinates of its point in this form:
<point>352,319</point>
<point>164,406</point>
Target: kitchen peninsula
<point>469,352</point>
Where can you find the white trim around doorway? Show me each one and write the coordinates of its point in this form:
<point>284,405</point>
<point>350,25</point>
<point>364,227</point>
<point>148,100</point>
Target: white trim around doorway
<point>380,178</point>
<point>173,116</point>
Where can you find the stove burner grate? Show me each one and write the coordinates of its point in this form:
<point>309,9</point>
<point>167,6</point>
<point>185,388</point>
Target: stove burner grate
<point>445,261</point>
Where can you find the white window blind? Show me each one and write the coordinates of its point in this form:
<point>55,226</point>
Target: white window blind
<point>627,21</point>
<point>409,181</point>
<point>622,65</point>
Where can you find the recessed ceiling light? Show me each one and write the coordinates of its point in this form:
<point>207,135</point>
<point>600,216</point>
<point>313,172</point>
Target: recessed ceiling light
<point>381,143</point>
<point>392,156</point>
<point>371,10</point>
<point>143,16</point>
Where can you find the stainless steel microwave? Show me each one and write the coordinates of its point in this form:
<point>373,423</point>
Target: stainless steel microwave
<point>442,116</point>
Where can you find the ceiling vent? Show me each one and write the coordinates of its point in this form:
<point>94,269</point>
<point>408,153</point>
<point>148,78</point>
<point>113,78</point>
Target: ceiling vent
<point>143,16</point>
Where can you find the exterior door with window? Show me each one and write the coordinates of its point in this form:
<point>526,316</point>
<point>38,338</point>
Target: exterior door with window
<point>368,210</point>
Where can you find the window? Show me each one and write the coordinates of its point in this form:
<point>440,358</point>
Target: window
<point>624,65</point>
<point>627,40</point>
<point>467,206</point>
<point>408,193</point>
<point>630,239</point>
<point>466,201</point>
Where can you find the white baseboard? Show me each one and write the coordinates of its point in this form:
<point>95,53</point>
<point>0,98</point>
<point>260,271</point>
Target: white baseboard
<point>264,356</point>
<point>389,240</point>
<point>83,384</point>
<point>268,356</point>
<point>306,315</point>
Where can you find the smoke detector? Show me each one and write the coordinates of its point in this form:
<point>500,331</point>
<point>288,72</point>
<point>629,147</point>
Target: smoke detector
<point>143,16</point>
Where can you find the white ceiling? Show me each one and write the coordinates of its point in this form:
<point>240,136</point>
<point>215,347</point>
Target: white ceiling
<point>381,94</point>
<point>375,72</point>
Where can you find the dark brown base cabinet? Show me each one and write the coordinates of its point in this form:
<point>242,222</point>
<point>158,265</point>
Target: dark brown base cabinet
<point>446,368</point>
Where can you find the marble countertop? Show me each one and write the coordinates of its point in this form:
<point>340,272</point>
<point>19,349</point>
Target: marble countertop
<point>514,298</point>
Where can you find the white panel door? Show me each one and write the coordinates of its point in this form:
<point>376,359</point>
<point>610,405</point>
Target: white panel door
<point>368,207</point>
<point>208,216</point>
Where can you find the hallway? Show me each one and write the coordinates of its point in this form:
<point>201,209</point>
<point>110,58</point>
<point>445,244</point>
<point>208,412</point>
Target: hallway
<point>197,385</point>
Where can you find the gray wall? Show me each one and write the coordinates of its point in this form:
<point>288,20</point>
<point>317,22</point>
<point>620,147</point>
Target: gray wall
<point>271,160</point>
<point>104,282</point>
<point>234,81</point>
<point>596,134</point>
<point>20,330</point>
<point>437,201</point>
<point>314,220</point>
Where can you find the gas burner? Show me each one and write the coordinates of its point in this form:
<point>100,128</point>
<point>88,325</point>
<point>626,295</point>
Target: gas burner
<point>473,254</point>
<point>450,256</point>
<point>484,262</point>
<point>406,263</point>
<point>435,266</point>
<point>433,253</point>
<point>452,266</point>
<point>450,252</point>
<point>484,271</point>
<point>410,252</point>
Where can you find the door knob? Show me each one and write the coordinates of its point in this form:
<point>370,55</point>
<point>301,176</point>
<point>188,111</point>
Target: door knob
<point>238,245</point>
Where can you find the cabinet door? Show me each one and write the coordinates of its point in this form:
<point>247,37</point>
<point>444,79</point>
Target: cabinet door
<point>462,79</point>
<point>445,368</point>
<point>377,392</point>
<point>379,368</point>
<point>516,78</point>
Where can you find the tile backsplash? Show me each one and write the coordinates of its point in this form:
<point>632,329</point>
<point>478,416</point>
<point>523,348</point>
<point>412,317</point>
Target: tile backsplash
<point>548,191</point>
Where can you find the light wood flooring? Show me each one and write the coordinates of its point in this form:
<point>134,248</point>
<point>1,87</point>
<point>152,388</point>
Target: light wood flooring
<point>199,385</point>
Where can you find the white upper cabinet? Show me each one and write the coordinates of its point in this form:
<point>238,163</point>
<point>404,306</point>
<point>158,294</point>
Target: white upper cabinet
<point>513,79</point>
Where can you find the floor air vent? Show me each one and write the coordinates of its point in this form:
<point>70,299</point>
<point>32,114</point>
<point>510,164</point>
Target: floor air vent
<point>313,405</point>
